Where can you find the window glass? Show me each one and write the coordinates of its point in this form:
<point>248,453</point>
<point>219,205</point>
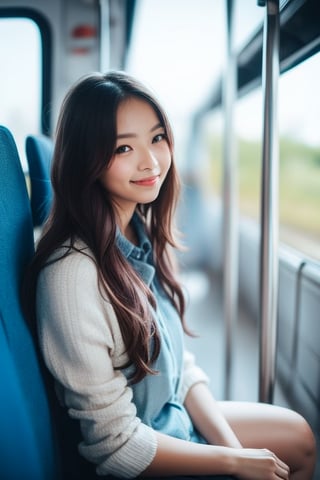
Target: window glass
<point>199,213</point>
<point>212,154</point>
<point>248,18</point>
<point>20,80</point>
<point>248,127</point>
<point>299,162</point>
<point>299,107</point>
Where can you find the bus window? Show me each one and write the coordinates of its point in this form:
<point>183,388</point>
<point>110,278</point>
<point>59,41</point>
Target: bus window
<point>20,81</point>
<point>299,161</point>
<point>247,20</point>
<point>299,200</point>
<point>248,127</point>
<point>212,132</point>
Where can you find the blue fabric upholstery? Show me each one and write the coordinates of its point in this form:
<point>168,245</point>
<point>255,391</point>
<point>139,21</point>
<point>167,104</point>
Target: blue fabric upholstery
<point>27,440</point>
<point>39,151</point>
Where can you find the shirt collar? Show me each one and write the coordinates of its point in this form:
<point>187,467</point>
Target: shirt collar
<point>140,257</point>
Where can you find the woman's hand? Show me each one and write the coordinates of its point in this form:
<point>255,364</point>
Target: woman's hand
<point>259,464</point>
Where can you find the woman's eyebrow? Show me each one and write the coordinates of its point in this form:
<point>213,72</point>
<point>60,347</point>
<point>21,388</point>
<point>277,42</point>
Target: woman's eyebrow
<point>159,125</point>
<point>132,135</point>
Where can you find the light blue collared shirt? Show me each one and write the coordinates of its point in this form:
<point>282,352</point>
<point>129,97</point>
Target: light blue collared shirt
<point>157,396</point>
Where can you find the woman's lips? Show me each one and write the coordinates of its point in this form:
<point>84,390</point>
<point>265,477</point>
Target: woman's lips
<point>147,182</point>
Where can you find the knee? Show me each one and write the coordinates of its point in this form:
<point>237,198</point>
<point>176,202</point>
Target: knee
<point>306,445</point>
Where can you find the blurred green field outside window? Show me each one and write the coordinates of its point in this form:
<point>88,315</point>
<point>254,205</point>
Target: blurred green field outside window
<point>299,107</point>
<point>299,149</point>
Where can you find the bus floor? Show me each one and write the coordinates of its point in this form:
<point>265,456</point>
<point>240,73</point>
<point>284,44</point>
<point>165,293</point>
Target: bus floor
<point>205,318</point>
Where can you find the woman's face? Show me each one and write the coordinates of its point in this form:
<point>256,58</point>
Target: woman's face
<point>141,159</point>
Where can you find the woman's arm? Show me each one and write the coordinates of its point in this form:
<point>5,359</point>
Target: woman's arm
<point>180,457</point>
<point>202,407</point>
<point>207,417</point>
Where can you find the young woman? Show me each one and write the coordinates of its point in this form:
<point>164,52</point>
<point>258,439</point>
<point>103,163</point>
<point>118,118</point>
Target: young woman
<point>110,311</point>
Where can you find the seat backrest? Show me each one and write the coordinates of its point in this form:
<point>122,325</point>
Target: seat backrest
<point>28,447</point>
<point>39,151</point>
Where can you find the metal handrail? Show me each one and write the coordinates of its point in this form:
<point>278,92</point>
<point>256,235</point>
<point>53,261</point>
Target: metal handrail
<point>230,217</point>
<point>269,204</point>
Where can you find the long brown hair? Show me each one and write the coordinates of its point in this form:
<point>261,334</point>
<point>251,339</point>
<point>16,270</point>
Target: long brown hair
<point>84,146</point>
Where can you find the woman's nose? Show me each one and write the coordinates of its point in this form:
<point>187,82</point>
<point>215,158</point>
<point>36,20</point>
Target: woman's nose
<point>148,160</point>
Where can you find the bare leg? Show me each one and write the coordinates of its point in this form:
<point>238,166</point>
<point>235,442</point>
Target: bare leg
<point>278,429</point>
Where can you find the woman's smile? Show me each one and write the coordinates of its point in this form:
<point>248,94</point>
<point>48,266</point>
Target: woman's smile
<point>147,182</point>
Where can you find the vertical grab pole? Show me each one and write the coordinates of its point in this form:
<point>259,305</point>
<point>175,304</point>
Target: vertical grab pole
<point>104,35</point>
<point>230,234</point>
<point>269,204</point>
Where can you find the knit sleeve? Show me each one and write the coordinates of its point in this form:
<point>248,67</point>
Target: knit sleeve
<point>81,342</point>
<point>191,375</point>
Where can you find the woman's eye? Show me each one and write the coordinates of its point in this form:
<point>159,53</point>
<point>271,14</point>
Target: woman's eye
<point>158,138</point>
<point>122,149</point>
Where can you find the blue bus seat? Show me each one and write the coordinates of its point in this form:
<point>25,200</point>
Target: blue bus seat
<point>27,439</point>
<point>39,151</point>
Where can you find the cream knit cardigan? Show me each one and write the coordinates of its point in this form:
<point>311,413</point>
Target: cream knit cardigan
<point>82,344</point>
